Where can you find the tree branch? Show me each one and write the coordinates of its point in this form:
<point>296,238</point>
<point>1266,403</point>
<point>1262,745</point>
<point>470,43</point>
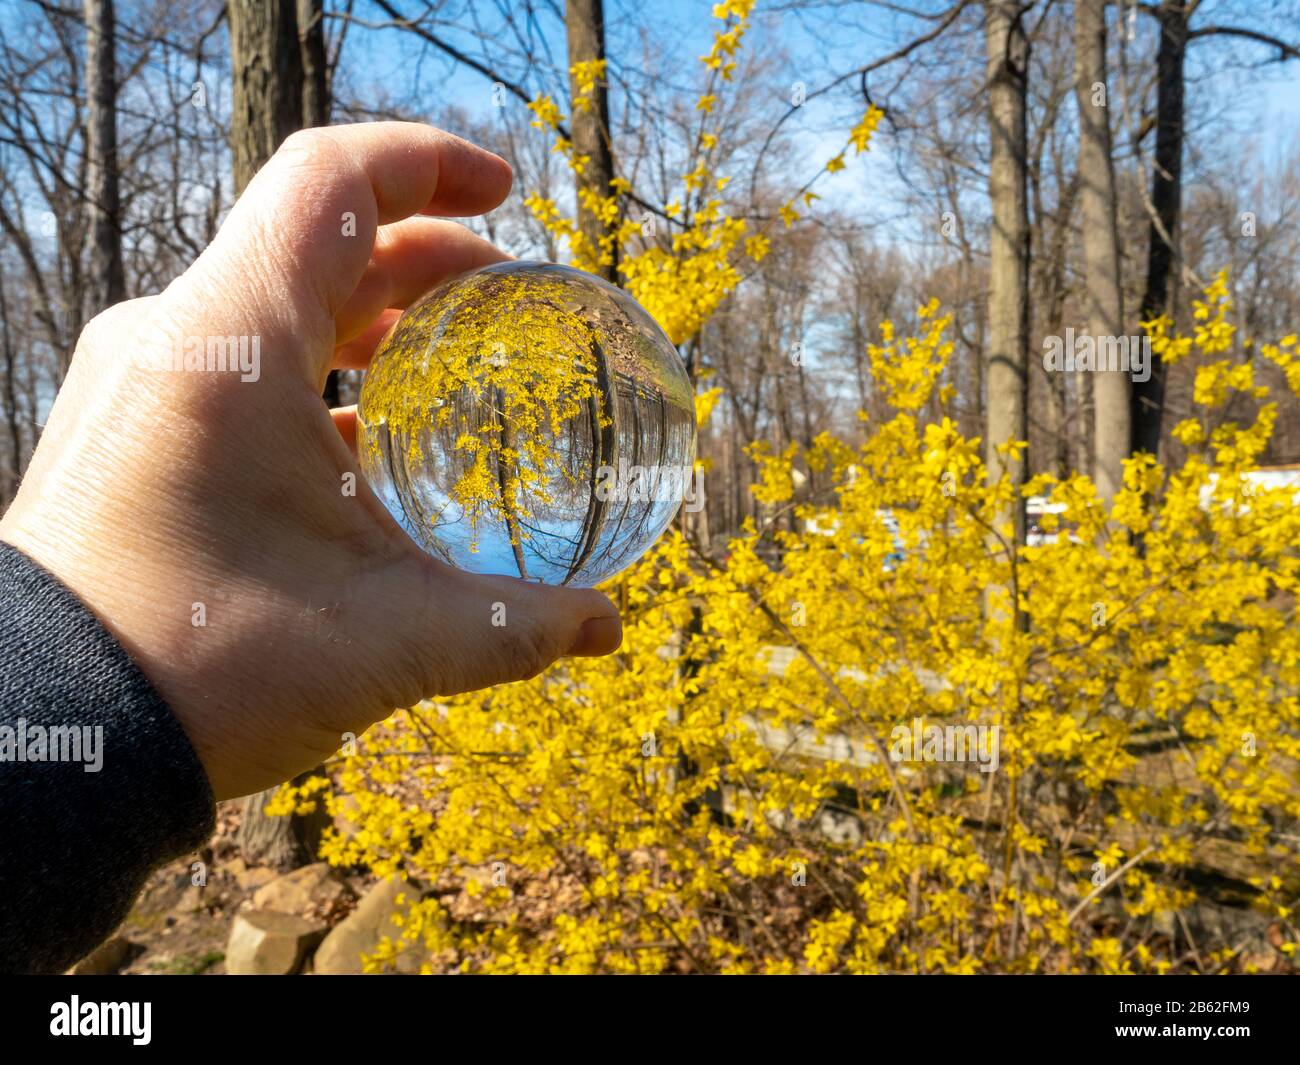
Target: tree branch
<point>1285,51</point>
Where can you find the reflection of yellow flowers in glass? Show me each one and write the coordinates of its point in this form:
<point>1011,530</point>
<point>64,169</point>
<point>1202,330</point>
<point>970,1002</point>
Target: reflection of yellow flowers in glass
<point>525,352</point>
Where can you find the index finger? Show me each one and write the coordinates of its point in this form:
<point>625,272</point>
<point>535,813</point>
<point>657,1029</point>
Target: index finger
<point>305,225</point>
<point>411,168</point>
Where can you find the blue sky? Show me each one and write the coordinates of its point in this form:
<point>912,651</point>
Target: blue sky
<point>812,47</point>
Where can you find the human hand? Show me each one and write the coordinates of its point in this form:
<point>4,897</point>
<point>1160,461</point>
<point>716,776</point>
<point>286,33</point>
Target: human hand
<point>205,516</point>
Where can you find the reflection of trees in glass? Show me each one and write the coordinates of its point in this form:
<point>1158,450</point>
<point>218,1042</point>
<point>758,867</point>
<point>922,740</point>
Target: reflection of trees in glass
<point>486,420</point>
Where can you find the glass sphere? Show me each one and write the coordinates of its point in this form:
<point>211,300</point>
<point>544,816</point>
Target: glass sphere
<point>531,420</point>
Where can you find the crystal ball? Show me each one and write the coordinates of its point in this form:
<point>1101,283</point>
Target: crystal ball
<point>532,420</point>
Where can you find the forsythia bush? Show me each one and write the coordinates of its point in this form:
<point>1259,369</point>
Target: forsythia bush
<point>735,791</point>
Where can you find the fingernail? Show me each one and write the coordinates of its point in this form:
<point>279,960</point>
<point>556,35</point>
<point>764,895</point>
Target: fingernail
<point>597,636</point>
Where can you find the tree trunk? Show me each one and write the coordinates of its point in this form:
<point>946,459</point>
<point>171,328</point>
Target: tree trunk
<point>584,22</point>
<point>1103,298</point>
<point>14,472</point>
<point>1006,378</point>
<point>107,278</point>
<point>1166,198</point>
<point>282,842</point>
<point>316,100</point>
<point>267,66</point>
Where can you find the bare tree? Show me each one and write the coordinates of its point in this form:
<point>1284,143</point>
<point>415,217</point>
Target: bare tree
<point>13,424</point>
<point>266,69</point>
<point>1008,339</point>
<point>316,101</point>
<point>1164,253</point>
<point>584,22</point>
<point>1166,202</point>
<point>1103,295</point>
<point>107,281</point>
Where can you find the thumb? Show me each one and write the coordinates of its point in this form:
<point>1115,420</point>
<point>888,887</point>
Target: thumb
<point>480,630</point>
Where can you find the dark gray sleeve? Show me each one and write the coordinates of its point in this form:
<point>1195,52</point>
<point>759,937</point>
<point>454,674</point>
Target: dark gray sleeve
<point>98,782</point>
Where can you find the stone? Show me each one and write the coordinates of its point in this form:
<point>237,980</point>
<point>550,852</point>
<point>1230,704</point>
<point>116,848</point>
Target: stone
<point>254,878</point>
<point>267,943</point>
<point>105,959</point>
<point>360,932</point>
<point>299,891</point>
<point>191,900</point>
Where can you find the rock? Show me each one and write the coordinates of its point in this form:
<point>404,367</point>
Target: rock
<point>254,878</point>
<point>266,943</point>
<point>299,891</point>
<point>191,900</point>
<point>360,932</point>
<point>105,959</point>
<point>411,961</point>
